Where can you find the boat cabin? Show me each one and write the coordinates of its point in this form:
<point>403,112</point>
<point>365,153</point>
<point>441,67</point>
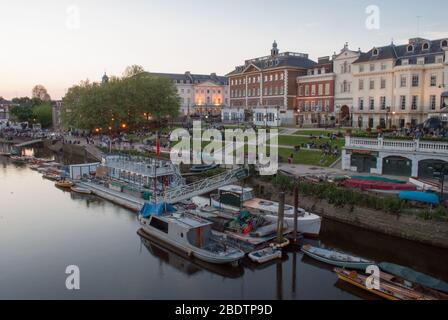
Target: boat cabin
<point>233,195</point>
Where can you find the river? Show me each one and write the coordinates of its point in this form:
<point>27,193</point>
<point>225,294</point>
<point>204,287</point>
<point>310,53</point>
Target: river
<point>44,229</point>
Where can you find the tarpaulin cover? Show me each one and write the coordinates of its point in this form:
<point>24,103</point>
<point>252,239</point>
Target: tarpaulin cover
<point>158,209</point>
<point>425,197</point>
<point>377,185</point>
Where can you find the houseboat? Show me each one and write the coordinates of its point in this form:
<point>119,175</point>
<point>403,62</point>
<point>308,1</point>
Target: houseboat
<point>188,233</point>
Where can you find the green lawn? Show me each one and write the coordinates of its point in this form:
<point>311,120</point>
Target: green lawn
<point>297,140</point>
<point>316,132</point>
<point>307,157</point>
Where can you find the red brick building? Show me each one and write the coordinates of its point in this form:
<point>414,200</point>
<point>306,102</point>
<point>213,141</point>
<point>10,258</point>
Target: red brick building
<point>265,88</point>
<point>315,94</point>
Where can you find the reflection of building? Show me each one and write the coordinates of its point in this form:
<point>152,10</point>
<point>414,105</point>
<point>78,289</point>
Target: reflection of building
<point>315,97</point>
<point>268,83</point>
<point>343,95</point>
<point>5,107</point>
<point>56,112</point>
<point>200,94</point>
<point>400,85</point>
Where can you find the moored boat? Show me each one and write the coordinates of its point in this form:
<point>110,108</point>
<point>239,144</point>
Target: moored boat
<point>414,276</point>
<point>51,176</point>
<point>80,190</point>
<point>266,254</point>
<point>418,196</point>
<point>188,233</point>
<point>387,290</point>
<point>64,184</point>
<point>234,197</point>
<point>336,258</point>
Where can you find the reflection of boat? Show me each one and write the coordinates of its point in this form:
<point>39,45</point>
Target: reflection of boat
<point>188,233</point>
<point>180,261</point>
<point>337,258</point>
<point>64,184</point>
<point>265,255</point>
<point>387,290</point>
<point>80,190</point>
<point>414,276</point>
<point>230,197</point>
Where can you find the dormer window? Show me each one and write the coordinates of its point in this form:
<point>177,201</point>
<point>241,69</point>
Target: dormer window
<point>444,43</point>
<point>410,48</point>
<point>375,52</point>
<point>405,62</point>
<point>426,46</point>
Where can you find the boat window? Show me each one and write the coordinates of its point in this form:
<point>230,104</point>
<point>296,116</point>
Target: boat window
<point>159,224</point>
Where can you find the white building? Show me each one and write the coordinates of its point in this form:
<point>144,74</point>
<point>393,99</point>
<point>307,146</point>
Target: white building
<point>5,107</point>
<point>400,85</point>
<point>343,92</point>
<point>200,94</point>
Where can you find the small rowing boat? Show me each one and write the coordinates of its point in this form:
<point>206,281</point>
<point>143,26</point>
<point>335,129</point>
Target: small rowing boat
<point>387,290</point>
<point>64,184</point>
<point>81,190</point>
<point>51,176</point>
<point>335,258</point>
<point>265,255</point>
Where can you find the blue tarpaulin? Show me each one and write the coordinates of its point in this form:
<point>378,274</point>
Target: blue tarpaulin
<point>425,197</point>
<point>150,209</point>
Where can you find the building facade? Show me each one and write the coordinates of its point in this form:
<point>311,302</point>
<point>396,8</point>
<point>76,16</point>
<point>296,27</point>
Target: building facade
<point>400,85</point>
<point>56,107</point>
<point>315,95</point>
<point>200,94</point>
<point>266,89</point>
<point>343,96</point>
<point>5,107</point>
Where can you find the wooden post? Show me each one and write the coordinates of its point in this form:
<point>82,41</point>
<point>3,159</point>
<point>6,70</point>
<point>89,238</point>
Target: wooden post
<point>281,215</point>
<point>296,212</point>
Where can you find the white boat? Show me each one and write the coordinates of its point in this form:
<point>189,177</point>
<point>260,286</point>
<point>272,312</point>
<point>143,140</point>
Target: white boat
<point>265,255</point>
<point>80,190</point>
<point>188,233</point>
<point>234,197</point>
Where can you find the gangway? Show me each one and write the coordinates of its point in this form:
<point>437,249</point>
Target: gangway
<point>182,193</point>
<point>28,143</point>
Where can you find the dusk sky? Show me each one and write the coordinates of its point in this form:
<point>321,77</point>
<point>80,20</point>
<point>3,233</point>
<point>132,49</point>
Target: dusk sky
<point>43,43</point>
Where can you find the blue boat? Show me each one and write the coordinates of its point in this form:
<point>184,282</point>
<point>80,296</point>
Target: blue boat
<point>424,197</point>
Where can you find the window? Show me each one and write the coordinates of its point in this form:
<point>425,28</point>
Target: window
<point>265,78</point>
<point>432,102</point>
<point>415,80</point>
<point>421,61</point>
<point>300,91</point>
<point>370,122</point>
<point>313,90</point>
<point>383,83</point>
<point>403,102</point>
<point>361,68</point>
<point>375,52</point>
<point>282,76</point>
<point>403,81</point>
<point>444,43</point>
<point>271,77</point>
<point>439,59</point>
<point>361,104</point>
<point>321,90</point>
<point>383,103</point>
<point>327,89</point>
<point>159,224</point>
<point>414,102</point>
<point>282,91</point>
<point>276,91</point>
<point>410,48</point>
<point>383,66</point>
<point>276,77</point>
<point>433,82</point>
<point>426,46</point>
<point>372,84</point>
<point>405,62</point>
<point>372,104</point>
<point>307,90</point>
<point>372,67</point>
<point>361,84</point>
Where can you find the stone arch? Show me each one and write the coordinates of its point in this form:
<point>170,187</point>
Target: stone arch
<point>427,167</point>
<point>397,166</point>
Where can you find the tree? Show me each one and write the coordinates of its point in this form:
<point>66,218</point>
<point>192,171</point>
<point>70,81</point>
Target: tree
<point>125,103</point>
<point>22,113</point>
<point>133,70</point>
<point>40,92</point>
<point>43,114</point>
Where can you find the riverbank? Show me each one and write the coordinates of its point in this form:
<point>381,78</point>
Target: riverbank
<point>410,227</point>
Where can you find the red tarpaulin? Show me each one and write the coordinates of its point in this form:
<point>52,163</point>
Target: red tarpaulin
<point>377,185</point>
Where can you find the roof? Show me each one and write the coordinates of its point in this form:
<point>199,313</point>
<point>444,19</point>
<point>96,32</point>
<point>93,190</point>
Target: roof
<point>235,188</point>
<point>401,52</point>
<point>189,78</point>
<point>286,59</point>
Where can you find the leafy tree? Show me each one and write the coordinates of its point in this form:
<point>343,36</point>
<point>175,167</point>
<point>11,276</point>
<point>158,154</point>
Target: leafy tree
<point>40,92</point>
<point>43,114</point>
<point>22,113</point>
<point>133,70</point>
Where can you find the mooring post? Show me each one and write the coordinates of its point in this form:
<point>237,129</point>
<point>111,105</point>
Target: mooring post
<point>281,215</point>
<point>296,212</point>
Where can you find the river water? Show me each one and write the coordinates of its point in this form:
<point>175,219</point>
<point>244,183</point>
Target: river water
<point>44,229</point>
